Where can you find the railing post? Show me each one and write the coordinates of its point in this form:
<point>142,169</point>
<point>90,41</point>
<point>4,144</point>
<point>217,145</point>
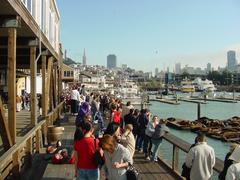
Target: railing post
<point>16,164</point>
<point>29,145</point>
<point>38,140</point>
<point>175,158</point>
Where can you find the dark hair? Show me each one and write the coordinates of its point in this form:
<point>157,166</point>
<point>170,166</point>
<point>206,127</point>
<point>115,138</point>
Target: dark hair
<point>136,112</point>
<point>87,126</point>
<point>111,128</point>
<point>128,103</point>
<point>131,111</point>
<point>78,134</point>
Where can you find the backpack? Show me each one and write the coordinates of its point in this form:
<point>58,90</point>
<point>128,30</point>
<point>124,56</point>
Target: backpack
<point>116,117</point>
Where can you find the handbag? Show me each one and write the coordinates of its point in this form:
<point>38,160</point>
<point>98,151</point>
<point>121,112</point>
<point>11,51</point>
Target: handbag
<point>97,158</point>
<point>132,172</point>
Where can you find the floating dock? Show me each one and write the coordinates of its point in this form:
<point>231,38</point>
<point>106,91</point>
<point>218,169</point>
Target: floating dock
<point>193,101</point>
<point>217,100</point>
<point>167,101</point>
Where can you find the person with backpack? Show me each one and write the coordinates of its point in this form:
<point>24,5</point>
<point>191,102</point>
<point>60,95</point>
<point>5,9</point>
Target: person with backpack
<point>84,150</point>
<point>115,115</point>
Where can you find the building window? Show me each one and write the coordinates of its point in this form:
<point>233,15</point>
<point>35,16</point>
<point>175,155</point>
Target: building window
<point>65,73</point>
<point>71,73</point>
<point>68,73</point>
<point>29,5</point>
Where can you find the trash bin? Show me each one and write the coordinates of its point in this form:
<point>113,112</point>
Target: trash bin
<point>54,134</point>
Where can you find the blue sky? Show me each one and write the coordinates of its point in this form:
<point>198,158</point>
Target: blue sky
<point>145,34</point>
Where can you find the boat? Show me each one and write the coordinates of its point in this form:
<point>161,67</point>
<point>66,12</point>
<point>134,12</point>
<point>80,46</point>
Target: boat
<point>186,86</point>
<point>203,85</point>
<point>129,91</point>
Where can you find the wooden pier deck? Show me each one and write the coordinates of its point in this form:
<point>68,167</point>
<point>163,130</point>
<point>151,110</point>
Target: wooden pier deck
<point>42,168</point>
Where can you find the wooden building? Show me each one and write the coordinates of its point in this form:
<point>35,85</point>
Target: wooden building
<point>29,42</point>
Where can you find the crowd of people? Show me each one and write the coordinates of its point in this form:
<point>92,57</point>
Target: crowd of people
<point>116,130</point>
<point>124,130</point>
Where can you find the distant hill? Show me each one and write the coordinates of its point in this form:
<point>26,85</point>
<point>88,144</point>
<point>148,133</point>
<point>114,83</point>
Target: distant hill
<point>69,61</point>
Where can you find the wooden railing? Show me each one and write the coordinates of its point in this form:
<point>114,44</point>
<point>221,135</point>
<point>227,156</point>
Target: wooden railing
<point>12,161</point>
<point>177,145</point>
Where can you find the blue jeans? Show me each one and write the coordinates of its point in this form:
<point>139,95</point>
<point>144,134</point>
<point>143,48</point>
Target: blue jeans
<point>155,147</point>
<point>139,142</point>
<point>88,174</point>
<point>147,145</point>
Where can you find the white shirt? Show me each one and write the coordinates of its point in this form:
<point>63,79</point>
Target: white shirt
<point>201,159</point>
<point>75,95</point>
<point>233,172</point>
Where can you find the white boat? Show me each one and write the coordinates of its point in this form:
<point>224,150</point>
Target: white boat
<point>129,91</point>
<point>186,86</point>
<point>204,85</point>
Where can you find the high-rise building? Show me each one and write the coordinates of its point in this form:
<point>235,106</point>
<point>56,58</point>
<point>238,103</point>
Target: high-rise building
<point>111,61</point>
<point>209,67</point>
<point>231,60</point>
<point>178,68</point>
<point>156,72</point>
<point>84,59</point>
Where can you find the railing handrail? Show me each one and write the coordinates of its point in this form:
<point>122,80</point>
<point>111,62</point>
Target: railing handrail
<point>5,157</point>
<point>184,146</point>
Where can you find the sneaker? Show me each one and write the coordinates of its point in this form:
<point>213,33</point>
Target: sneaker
<point>148,158</point>
<point>155,160</point>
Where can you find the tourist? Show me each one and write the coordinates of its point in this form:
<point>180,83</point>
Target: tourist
<point>129,118</point>
<point>115,115</point>
<point>142,121</point>
<point>18,103</point>
<point>95,105</point>
<point>185,170</point>
<point>126,109</point>
<point>160,130</point>
<point>147,143</point>
<point>135,123</point>
<point>113,129</point>
<point>201,159</point>
<point>84,150</point>
<point>117,158</point>
<point>127,139</point>
<point>83,111</point>
<point>75,98</point>
<point>227,162</point>
<point>233,172</point>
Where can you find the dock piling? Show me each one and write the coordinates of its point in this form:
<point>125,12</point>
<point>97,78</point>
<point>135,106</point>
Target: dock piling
<point>198,111</point>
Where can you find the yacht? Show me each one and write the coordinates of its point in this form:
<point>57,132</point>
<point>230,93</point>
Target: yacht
<point>187,86</point>
<point>129,91</point>
<point>204,85</point>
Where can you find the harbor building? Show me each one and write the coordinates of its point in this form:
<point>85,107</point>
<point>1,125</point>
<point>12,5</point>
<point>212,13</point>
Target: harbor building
<point>111,61</point>
<point>231,61</point>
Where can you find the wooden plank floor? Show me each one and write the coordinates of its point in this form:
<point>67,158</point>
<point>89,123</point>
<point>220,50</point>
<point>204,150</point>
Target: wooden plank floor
<point>44,169</point>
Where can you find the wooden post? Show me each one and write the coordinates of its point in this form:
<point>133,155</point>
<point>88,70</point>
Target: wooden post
<point>6,138</point>
<point>38,140</point>
<point>49,70</point>
<point>11,73</point>
<point>33,96</point>
<point>175,158</point>
<point>44,91</point>
<point>16,164</point>
<point>198,111</point>
<point>29,145</point>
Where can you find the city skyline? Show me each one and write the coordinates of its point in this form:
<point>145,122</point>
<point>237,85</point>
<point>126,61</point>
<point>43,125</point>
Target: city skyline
<point>146,35</point>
